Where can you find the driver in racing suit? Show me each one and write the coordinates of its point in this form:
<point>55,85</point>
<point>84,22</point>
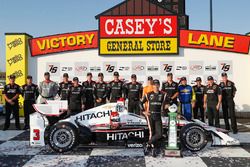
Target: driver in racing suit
<point>187,99</point>
<point>157,101</point>
<point>47,89</point>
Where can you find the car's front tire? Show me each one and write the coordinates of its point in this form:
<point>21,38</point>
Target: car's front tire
<point>193,137</point>
<point>63,137</point>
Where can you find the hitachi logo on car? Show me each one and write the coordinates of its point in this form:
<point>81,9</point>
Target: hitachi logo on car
<point>89,116</point>
<point>124,135</point>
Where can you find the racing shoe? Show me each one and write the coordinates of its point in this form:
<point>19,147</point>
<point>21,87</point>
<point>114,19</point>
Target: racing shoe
<point>147,149</point>
<point>153,150</point>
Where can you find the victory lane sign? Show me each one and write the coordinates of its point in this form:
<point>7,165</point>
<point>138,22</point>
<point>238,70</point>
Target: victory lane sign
<point>135,35</point>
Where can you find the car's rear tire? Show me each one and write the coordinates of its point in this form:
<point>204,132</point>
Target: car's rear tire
<point>193,137</point>
<point>63,137</point>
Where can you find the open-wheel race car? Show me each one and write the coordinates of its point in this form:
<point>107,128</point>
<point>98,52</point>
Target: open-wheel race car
<point>112,125</point>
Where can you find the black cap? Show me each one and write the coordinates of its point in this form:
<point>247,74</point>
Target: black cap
<point>183,78</point>
<point>170,74</point>
<point>156,82</point>
<point>210,78</point>
<point>89,74</point>
<point>46,73</point>
<point>100,74</point>
<point>65,75</point>
<point>75,79</point>
<point>12,76</point>
<point>150,78</point>
<point>224,74</point>
<point>29,77</point>
<point>133,76</point>
<point>116,73</point>
<point>198,79</point>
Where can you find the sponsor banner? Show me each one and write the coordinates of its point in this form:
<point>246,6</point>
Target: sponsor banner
<point>211,67</point>
<point>143,69</point>
<point>167,67</point>
<point>181,68</point>
<point>153,68</point>
<point>109,68</point>
<point>138,26</point>
<point>16,59</point>
<point>81,68</point>
<point>138,46</point>
<point>196,67</point>
<point>64,42</point>
<point>53,68</point>
<point>225,66</point>
<point>214,41</point>
<point>139,67</point>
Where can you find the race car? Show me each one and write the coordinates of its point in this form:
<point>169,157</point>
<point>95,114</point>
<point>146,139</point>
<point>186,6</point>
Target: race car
<point>113,125</point>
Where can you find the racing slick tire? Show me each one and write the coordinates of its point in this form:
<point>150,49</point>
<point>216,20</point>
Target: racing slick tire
<point>63,137</point>
<point>193,137</point>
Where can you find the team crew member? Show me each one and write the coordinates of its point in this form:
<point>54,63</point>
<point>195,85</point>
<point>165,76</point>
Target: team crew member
<point>76,98</point>
<point>115,88</point>
<point>157,101</point>
<point>11,94</point>
<point>228,105</point>
<point>199,92</point>
<point>64,87</point>
<point>47,89</point>
<point>212,102</point>
<point>100,91</point>
<point>89,91</point>
<point>187,98</point>
<point>171,88</point>
<point>147,89</point>
<point>133,92</point>
<point>30,94</point>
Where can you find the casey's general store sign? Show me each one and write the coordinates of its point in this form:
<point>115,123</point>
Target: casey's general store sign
<point>138,35</point>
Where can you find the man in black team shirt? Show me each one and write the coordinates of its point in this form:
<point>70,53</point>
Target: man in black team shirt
<point>133,91</point>
<point>115,88</point>
<point>64,87</point>
<point>100,91</point>
<point>89,91</point>
<point>76,98</point>
<point>212,102</point>
<point>30,94</point>
<point>199,92</point>
<point>228,105</point>
<point>157,101</point>
<point>11,94</point>
<point>171,88</point>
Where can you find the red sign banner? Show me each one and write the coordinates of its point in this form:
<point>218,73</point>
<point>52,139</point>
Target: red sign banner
<point>64,42</point>
<point>138,26</point>
<point>214,41</point>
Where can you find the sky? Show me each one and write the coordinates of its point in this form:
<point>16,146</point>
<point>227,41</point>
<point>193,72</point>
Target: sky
<point>48,17</point>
